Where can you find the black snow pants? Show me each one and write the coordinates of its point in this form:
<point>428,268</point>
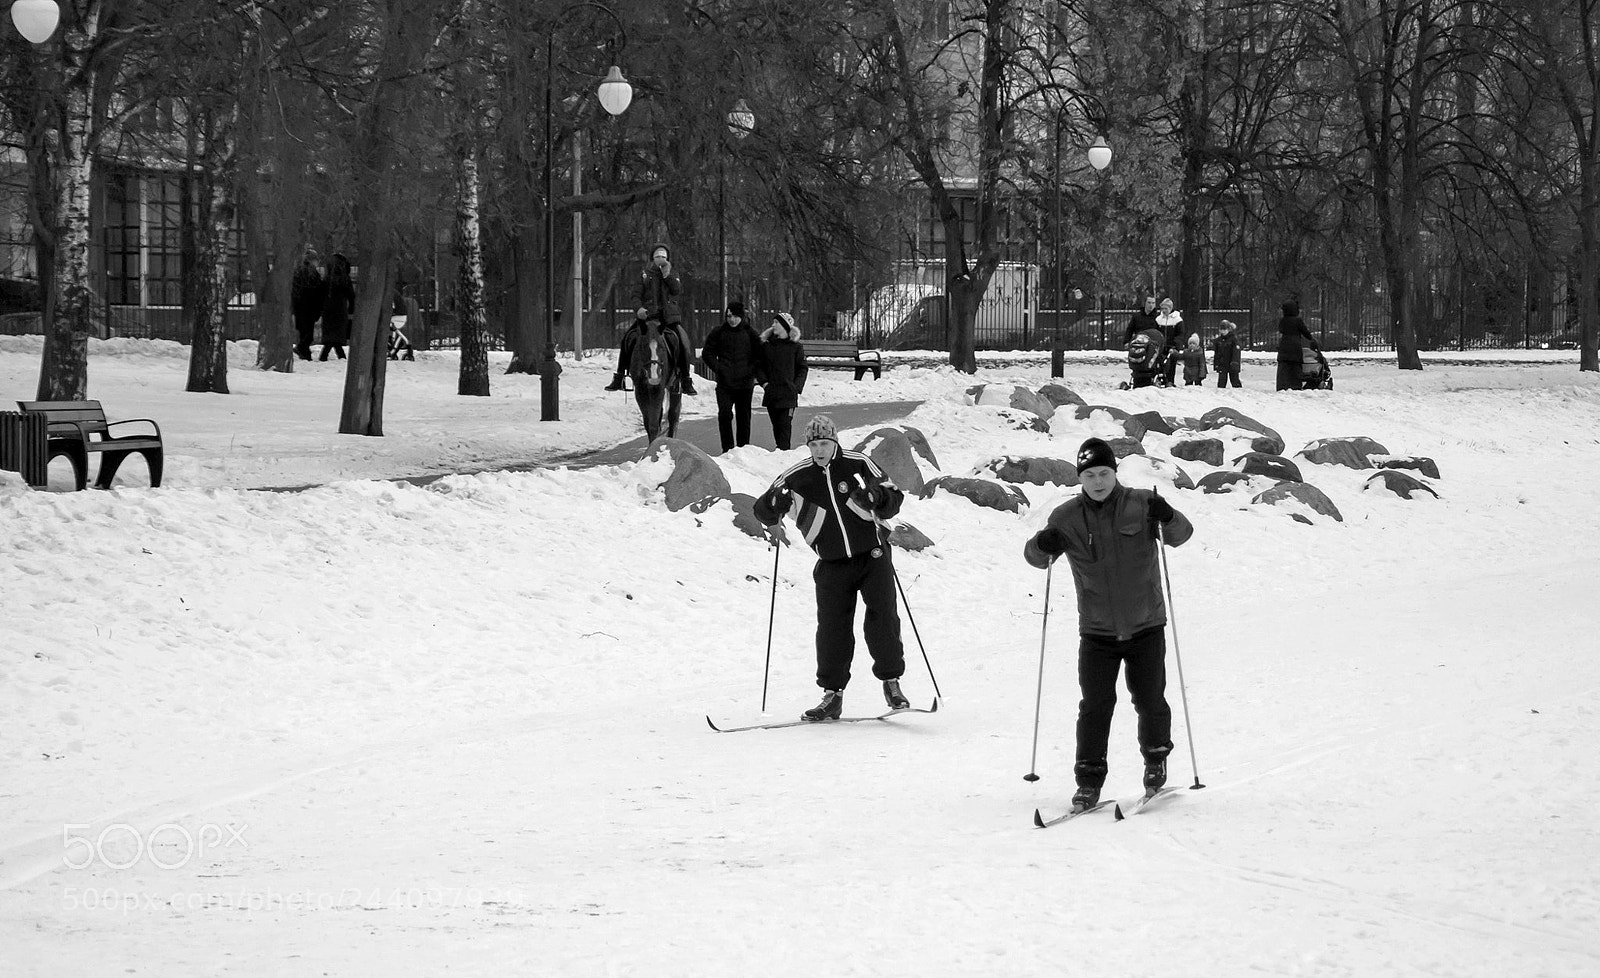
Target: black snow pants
<point>1099,657</point>
<point>838,582</point>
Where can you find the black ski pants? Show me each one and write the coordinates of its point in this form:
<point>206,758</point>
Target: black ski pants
<point>1099,658</point>
<point>871,575</point>
<point>305,328</point>
<point>1227,375</point>
<point>733,415</point>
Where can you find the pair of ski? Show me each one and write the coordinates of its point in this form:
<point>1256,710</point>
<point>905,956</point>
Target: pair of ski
<point>1134,808</point>
<point>820,723</point>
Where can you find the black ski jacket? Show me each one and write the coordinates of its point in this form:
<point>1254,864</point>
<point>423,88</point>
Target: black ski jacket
<point>834,525</point>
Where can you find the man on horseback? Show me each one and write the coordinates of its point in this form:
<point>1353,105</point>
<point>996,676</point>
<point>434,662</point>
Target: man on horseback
<point>659,289</point>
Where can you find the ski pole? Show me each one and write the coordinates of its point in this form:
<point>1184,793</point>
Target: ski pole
<point>1172,613</point>
<point>1038,699</point>
<point>912,618</point>
<point>772,611</point>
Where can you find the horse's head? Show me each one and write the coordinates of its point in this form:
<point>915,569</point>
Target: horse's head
<point>654,353</point>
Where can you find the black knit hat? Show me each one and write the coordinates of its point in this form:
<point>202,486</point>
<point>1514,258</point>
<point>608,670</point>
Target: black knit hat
<point>1291,307</point>
<point>1095,452</point>
<point>736,308</point>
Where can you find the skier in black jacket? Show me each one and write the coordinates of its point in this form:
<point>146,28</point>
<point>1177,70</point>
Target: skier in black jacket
<point>843,499</point>
<point>1109,538</point>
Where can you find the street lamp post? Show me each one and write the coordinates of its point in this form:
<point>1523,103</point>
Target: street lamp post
<point>741,122</point>
<point>615,93</point>
<point>1099,155</point>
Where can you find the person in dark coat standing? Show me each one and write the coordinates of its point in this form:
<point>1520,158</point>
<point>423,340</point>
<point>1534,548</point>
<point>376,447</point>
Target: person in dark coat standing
<point>844,499</point>
<point>1109,536</point>
<point>785,360</point>
<point>659,298</point>
<point>1140,321</point>
<point>1293,338</point>
<point>1225,357</point>
<point>732,353</point>
<point>338,307</point>
<point>308,290</point>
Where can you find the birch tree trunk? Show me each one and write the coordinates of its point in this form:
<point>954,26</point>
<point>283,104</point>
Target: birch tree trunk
<point>208,350</point>
<point>474,379</point>
<point>64,364</point>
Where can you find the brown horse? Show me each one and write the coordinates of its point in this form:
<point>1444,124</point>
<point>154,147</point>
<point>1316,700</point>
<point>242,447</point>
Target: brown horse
<point>656,385</point>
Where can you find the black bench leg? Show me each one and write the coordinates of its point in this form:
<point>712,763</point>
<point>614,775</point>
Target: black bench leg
<point>109,463</point>
<point>77,456</point>
<point>155,459</point>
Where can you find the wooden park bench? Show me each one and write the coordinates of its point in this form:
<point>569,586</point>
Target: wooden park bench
<point>844,355</point>
<point>77,428</point>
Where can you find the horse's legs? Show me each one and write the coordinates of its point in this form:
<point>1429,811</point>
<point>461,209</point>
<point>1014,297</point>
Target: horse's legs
<point>673,407</point>
<point>649,399</point>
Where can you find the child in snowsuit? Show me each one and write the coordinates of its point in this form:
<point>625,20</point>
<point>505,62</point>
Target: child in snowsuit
<point>1194,362</point>
<point>843,499</point>
<point>1225,355</point>
<point>1109,534</point>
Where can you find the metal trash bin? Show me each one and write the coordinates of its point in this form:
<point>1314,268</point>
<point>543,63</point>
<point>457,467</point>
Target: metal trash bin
<point>24,443</point>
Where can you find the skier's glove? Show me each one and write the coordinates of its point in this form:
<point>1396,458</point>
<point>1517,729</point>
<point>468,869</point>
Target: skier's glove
<point>1051,541</point>
<point>868,498</point>
<point>1160,510</point>
<point>780,501</point>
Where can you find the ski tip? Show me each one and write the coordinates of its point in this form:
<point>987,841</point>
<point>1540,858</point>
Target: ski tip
<point>1038,820</point>
<point>935,707</point>
<point>712,725</point>
<point>1117,811</point>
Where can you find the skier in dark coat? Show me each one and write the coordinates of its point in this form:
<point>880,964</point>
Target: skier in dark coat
<point>338,307</point>
<point>844,498</point>
<point>733,354</point>
<point>1109,536</point>
<point>659,291</point>
<point>1225,357</point>
<point>1293,338</point>
<point>786,370</point>
<point>308,290</point>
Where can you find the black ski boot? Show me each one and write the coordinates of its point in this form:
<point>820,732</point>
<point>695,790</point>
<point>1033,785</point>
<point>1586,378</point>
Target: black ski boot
<point>892,695</point>
<point>831,707</point>
<point>616,383</point>
<point>1086,797</point>
<point>1155,774</point>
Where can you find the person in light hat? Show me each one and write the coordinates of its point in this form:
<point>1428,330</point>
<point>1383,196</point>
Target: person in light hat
<point>1109,534</point>
<point>784,359</point>
<point>843,500</point>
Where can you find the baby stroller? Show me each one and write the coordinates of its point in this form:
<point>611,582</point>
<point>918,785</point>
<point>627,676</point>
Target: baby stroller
<point>1315,375</point>
<point>399,346</point>
<point>1144,358</point>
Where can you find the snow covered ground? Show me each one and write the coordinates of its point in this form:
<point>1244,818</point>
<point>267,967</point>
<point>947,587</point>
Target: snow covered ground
<point>375,729</point>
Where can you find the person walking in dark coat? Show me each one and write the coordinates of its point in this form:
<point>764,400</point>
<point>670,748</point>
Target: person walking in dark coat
<point>785,360</point>
<point>1109,535</point>
<point>1140,321</point>
<point>337,307</point>
<point>659,292</point>
<point>844,499</point>
<point>1293,339</point>
<point>732,353</point>
<point>307,293</point>
<point>1225,359</point>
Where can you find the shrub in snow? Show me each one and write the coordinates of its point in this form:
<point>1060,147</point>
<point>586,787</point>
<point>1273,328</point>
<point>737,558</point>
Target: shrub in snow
<point>1397,482</point>
<point>1058,394</point>
<point>1215,482</point>
<point>1350,452</point>
<point>1207,450</point>
<point>1156,421</point>
<point>907,537</point>
<point>1418,462</point>
<point>1294,494</point>
<point>695,475</point>
<point>1015,398</point>
<point>1131,426</point>
<point>1224,417</point>
<point>1269,465</point>
<point>1033,470</point>
<point>994,495</point>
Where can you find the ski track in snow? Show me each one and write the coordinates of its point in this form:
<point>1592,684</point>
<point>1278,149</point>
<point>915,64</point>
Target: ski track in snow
<point>462,727</point>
